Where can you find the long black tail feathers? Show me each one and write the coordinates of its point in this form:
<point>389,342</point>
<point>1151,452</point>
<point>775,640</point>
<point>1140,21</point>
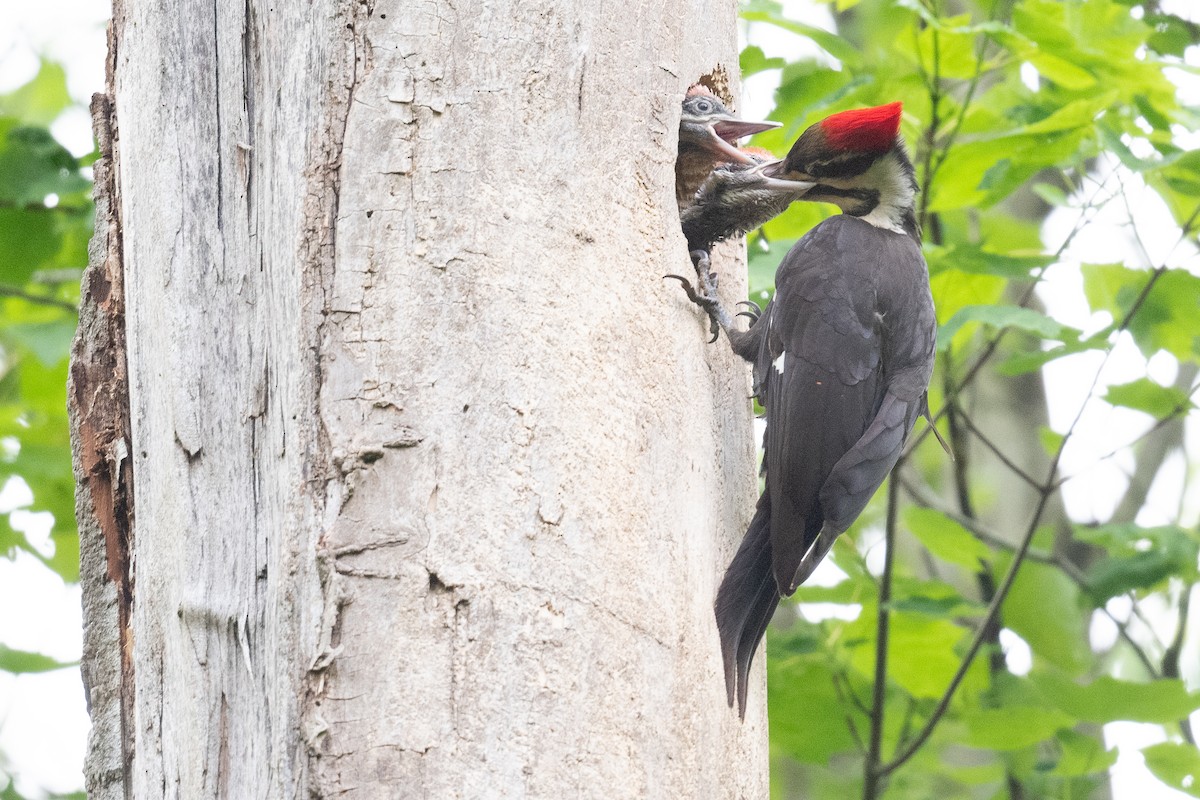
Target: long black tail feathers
<point>745,603</point>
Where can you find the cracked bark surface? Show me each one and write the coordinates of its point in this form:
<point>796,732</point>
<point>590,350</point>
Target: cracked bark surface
<point>435,478</point>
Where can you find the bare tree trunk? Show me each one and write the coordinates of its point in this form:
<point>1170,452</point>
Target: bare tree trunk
<point>434,477</point>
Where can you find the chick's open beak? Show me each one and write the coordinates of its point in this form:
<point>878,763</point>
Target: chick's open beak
<point>724,132</point>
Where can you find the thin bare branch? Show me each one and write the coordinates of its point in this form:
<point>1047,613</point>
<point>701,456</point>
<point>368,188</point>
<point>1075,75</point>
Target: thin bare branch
<point>873,774</point>
<point>994,448</point>
<point>41,300</point>
<point>838,681</point>
<point>1170,662</point>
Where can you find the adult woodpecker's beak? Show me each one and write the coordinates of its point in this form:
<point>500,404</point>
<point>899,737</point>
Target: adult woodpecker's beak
<point>718,133</point>
<point>776,176</point>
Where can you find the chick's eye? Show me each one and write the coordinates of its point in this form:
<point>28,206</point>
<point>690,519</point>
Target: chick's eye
<point>704,107</point>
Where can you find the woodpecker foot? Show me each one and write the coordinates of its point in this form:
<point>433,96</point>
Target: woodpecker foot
<point>753,310</point>
<point>706,300</point>
<point>702,263</point>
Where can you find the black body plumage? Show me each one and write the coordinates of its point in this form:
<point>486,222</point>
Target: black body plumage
<point>842,359</point>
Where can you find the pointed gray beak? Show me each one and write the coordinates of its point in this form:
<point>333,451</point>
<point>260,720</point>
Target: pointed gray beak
<point>774,176</point>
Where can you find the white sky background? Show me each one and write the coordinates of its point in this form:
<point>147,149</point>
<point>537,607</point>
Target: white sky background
<point>43,725</point>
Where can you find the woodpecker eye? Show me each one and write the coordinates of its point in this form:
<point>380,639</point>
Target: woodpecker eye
<point>704,107</point>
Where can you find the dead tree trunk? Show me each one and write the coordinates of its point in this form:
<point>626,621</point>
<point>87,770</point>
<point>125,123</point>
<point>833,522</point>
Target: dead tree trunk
<point>434,477</point>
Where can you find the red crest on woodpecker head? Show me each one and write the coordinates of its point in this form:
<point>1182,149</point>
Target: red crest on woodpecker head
<point>869,130</point>
<point>699,88</point>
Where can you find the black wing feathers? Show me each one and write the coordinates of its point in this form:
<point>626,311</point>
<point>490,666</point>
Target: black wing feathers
<point>824,378</point>
<point>844,356</point>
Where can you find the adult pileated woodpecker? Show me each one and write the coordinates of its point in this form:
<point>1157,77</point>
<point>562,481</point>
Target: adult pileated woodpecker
<point>708,136</point>
<point>842,355</point>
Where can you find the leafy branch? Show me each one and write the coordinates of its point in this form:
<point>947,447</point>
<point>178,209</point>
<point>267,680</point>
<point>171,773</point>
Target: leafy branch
<point>1020,552</point>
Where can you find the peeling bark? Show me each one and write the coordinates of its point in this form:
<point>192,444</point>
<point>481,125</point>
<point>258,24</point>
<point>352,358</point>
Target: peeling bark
<point>435,477</point>
<point>98,406</point>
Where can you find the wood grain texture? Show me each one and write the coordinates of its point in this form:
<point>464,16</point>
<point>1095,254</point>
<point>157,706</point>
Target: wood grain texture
<point>435,476</point>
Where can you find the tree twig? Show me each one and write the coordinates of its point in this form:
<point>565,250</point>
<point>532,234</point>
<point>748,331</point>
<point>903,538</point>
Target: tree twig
<point>873,774</point>
<point>1170,662</point>
<point>994,448</point>
<point>41,300</point>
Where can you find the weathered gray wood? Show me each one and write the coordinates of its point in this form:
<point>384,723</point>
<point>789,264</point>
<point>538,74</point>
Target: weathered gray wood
<point>435,477</point>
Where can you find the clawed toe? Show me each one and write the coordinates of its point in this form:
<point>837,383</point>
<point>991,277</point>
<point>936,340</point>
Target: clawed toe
<point>697,298</point>
<point>707,301</point>
<point>752,312</point>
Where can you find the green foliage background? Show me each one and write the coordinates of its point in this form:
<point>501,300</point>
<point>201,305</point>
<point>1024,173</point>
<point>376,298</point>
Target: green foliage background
<point>994,158</point>
<point>45,224</point>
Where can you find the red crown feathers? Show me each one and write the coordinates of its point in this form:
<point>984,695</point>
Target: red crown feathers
<point>871,130</point>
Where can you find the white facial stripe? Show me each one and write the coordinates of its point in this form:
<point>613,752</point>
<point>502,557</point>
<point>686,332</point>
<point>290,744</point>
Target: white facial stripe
<point>887,177</point>
<point>895,193</point>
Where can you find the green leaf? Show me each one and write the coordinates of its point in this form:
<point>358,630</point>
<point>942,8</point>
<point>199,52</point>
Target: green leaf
<point>1012,727</point>
<point>1178,182</point>
<point>1022,363</point>
<point>1138,558</point>
<point>761,262</point>
<point>29,241</point>
<point>1082,755</point>
<point>21,661</point>
<point>799,682</point>
<point>843,593</point>
<point>1059,638</point>
<point>1151,114</point>
<point>922,657</point>
<point>952,39</point>
<point>945,539</point>
<point>50,342</point>
<point>1172,35</point>
<point>1145,395</point>
<point>1061,71</point>
<point>772,13</point>
<point>932,598</point>
<point>1164,701</point>
<point>985,169</point>
<point>1052,194</point>
<point>753,61</point>
<point>1052,441</point>
<point>1166,304</point>
<point>979,260</point>
<point>1176,765</point>
<point>998,317</point>
<point>40,101</point>
<point>954,290</point>
<point>34,165</point>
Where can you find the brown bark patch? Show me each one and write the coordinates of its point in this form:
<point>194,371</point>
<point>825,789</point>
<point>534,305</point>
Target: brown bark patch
<point>98,399</point>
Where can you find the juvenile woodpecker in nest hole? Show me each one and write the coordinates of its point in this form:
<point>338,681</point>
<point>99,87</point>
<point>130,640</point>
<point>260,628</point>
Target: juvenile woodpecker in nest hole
<point>708,135</point>
<point>842,355</point>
